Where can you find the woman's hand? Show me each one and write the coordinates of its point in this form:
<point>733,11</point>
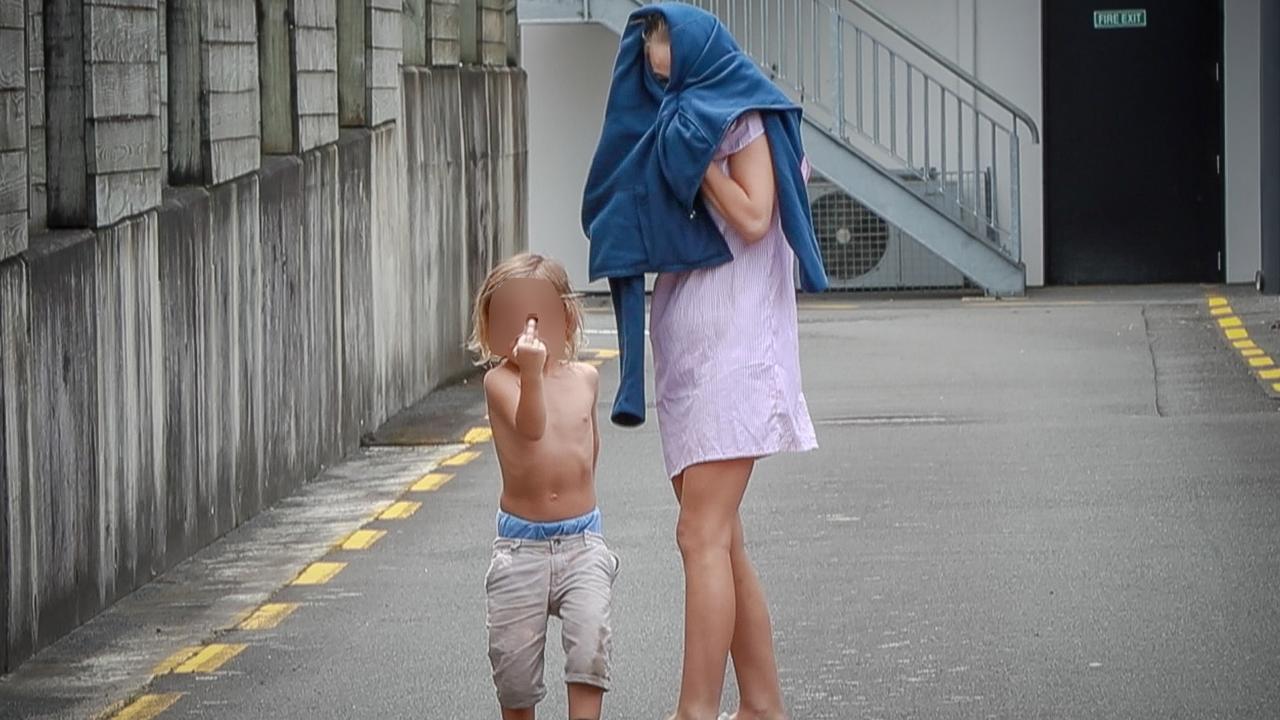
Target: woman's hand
<point>746,196</point>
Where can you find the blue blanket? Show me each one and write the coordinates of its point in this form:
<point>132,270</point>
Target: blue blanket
<point>642,208</point>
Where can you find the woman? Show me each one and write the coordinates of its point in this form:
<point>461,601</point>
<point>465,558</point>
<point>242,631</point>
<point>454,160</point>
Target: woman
<point>727,377</point>
<point>719,137</point>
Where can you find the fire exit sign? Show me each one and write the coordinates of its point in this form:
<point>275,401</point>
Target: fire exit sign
<point>1119,19</point>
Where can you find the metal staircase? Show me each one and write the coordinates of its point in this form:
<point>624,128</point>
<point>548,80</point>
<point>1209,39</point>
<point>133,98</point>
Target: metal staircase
<point>915,138</point>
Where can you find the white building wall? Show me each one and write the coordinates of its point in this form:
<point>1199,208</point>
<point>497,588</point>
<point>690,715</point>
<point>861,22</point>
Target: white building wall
<point>569,68</point>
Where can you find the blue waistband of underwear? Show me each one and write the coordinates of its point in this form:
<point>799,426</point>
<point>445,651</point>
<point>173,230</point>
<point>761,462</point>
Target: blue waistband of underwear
<point>512,527</point>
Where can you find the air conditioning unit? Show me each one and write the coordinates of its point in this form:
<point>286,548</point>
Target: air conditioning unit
<point>861,251</point>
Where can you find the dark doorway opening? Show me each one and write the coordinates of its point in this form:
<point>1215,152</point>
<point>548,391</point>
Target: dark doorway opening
<point>1133,141</point>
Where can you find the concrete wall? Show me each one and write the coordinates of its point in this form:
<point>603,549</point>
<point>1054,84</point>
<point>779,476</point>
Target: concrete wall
<point>167,376</point>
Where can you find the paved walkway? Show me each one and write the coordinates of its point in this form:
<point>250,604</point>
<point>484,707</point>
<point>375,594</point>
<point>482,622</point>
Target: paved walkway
<point>1060,507</point>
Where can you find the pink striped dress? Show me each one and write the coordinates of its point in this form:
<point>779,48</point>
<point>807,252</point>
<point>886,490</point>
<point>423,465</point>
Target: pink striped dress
<point>726,347</point>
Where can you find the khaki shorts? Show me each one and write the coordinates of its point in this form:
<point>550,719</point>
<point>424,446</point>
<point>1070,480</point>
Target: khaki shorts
<point>529,580</point>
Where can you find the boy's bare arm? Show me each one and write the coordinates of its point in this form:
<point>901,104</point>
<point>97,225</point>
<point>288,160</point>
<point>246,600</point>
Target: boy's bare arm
<point>531,408</point>
<point>517,404</point>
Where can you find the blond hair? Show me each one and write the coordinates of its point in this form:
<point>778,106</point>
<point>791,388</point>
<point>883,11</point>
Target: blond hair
<point>525,265</point>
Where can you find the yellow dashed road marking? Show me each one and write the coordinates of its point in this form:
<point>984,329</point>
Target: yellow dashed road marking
<point>461,458</point>
<point>268,616</point>
<point>1269,374</point>
<point>595,363</point>
<point>1243,345</point>
<point>210,658</point>
<point>318,573</point>
<point>400,509</point>
<point>147,707</point>
<point>1237,334</point>
<point>1217,301</point>
<point>1261,362</point>
<point>1255,352</point>
<point>430,482</point>
<point>1276,387</point>
<point>175,660</point>
<point>1222,311</point>
<point>1230,322</point>
<point>362,539</point>
<point>478,435</point>
<point>606,354</point>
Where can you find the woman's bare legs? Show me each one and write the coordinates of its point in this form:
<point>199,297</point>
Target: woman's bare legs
<point>709,499</point>
<point>754,664</point>
<point>751,636</point>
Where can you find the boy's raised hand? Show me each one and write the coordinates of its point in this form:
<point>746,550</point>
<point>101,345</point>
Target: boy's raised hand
<point>530,352</point>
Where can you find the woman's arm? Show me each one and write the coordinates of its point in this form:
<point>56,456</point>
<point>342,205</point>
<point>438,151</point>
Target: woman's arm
<point>746,196</point>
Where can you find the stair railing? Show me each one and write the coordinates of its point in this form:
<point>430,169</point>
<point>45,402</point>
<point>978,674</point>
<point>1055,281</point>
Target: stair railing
<point>877,88</point>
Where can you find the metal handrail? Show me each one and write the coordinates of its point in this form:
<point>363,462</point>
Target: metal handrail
<point>986,90</point>
<point>852,71</point>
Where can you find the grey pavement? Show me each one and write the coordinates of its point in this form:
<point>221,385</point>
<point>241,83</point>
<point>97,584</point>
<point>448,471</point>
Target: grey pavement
<point>1066,506</point>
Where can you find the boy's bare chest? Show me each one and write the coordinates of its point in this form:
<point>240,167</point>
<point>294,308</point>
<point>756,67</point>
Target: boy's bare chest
<point>568,403</point>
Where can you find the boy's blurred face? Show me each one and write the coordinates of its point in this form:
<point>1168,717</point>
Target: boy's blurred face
<point>510,308</point>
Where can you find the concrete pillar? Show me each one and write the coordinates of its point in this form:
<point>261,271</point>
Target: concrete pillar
<point>414,25</point>
<point>14,186</point>
<point>298,68</point>
<point>214,125</point>
<point>1269,278</point>
<point>468,32</point>
<point>444,31</point>
<point>15,469</point>
<point>513,34</point>
<point>102,110</point>
<point>491,22</point>
<point>37,190</point>
<point>369,55</point>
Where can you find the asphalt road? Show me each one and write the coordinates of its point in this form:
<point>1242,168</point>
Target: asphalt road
<point>1061,507</point>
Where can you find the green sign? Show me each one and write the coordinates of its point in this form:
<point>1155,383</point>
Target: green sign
<point>1119,19</point>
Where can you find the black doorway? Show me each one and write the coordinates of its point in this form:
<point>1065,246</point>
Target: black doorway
<point>1133,141</point>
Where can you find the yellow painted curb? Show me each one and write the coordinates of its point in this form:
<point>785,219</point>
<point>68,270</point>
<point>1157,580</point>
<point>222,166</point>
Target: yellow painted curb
<point>1230,322</point>
<point>268,616</point>
<point>1269,374</point>
<point>462,458</point>
<point>168,664</point>
<point>362,539</point>
<point>400,509</point>
<point>1244,345</point>
<point>1261,362</point>
<point>430,482</point>
<point>147,706</point>
<point>1225,310</point>
<point>1237,334</point>
<point>1253,352</point>
<point>210,658</point>
<point>1217,301</point>
<point>478,435</point>
<point>318,573</point>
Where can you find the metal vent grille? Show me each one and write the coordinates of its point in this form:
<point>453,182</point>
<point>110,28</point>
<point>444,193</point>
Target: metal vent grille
<point>853,240</point>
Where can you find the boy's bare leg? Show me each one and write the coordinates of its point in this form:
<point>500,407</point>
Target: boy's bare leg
<point>517,713</point>
<point>585,701</point>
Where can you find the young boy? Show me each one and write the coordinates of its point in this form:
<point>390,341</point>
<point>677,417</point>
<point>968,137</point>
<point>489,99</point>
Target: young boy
<point>549,557</point>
